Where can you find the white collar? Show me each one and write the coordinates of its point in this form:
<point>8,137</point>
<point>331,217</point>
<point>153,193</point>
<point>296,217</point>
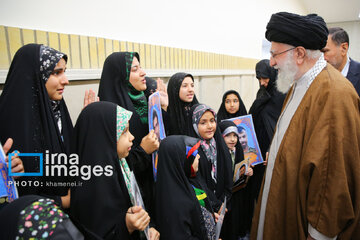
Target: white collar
<point>310,75</point>
<point>345,70</point>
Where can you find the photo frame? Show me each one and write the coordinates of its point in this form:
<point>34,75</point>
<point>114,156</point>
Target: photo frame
<point>221,219</point>
<point>240,178</point>
<point>156,123</point>
<point>248,139</point>
<point>138,200</point>
<point>7,184</point>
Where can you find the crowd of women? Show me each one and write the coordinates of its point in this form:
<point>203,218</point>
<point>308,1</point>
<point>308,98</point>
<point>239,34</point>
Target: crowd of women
<point>195,161</point>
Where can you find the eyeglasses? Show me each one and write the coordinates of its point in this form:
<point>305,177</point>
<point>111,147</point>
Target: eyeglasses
<point>273,55</point>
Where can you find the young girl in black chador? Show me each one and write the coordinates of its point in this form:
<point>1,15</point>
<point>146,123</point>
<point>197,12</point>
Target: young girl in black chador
<point>183,209</point>
<point>231,106</point>
<point>104,203</point>
<point>238,221</point>
<point>181,99</point>
<point>123,82</point>
<point>215,159</point>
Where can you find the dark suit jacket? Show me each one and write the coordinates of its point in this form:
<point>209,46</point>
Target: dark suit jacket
<point>354,75</point>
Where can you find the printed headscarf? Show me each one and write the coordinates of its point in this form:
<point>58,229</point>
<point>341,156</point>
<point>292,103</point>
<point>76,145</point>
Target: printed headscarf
<point>49,57</point>
<point>208,146</point>
<point>122,118</point>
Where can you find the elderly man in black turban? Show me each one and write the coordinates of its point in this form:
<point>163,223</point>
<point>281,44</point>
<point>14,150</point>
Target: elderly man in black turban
<point>311,188</point>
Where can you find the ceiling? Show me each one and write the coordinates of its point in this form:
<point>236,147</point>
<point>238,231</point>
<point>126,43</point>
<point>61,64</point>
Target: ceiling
<point>334,10</point>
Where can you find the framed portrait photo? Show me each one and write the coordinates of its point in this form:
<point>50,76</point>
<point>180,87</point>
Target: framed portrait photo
<point>248,140</point>
<point>156,123</point>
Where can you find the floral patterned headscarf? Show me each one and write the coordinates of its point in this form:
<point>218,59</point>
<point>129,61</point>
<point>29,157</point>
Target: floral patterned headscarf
<point>122,118</point>
<point>208,146</point>
<point>49,57</point>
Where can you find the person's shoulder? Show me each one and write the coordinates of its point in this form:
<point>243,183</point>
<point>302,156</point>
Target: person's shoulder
<point>333,89</point>
<point>333,82</point>
<point>354,62</point>
<point>354,65</point>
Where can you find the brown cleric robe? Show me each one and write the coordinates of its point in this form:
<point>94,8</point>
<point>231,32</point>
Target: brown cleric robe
<point>316,176</point>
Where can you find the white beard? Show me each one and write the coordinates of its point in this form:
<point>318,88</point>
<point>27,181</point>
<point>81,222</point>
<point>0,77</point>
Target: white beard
<point>286,75</point>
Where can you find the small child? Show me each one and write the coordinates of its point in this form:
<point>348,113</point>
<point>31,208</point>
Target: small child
<point>183,207</point>
<point>102,141</point>
<point>239,218</point>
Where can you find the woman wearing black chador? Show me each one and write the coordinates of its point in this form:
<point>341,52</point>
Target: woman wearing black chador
<point>123,83</point>
<point>34,114</point>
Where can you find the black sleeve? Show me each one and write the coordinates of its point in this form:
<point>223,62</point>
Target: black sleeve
<point>228,181</point>
<point>166,121</point>
<point>119,231</point>
<point>138,160</point>
<point>214,201</point>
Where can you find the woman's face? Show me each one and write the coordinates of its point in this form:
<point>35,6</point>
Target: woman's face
<point>57,81</point>
<point>231,140</point>
<point>232,103</point>
<point>124,143</point>
<point>137,76</point>
<point>264,82</point>
<point>207,125</point>
<point>186,92</point>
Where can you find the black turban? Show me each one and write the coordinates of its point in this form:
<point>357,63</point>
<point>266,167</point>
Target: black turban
<point>308,31</point>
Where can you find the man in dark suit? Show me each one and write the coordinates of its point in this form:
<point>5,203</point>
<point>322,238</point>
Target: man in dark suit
<point>335,53</point>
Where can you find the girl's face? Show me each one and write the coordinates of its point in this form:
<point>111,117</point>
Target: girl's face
<point>195,164</point>
<point>232,103</point>
<point>231,140</point>
<point>124,143</point>
<point>57,81</point>
<point>207,125</point>
<point>186,92</point>
<point>137,76</point>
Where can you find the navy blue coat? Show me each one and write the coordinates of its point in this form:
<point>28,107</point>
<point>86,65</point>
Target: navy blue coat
<point>354,75</point>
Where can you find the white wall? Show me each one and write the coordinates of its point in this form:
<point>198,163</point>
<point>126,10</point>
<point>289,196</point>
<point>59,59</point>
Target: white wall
<point>230,27</point>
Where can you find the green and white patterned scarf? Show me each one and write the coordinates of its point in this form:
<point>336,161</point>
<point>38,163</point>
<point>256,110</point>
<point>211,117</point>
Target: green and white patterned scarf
<point>122,118</point>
